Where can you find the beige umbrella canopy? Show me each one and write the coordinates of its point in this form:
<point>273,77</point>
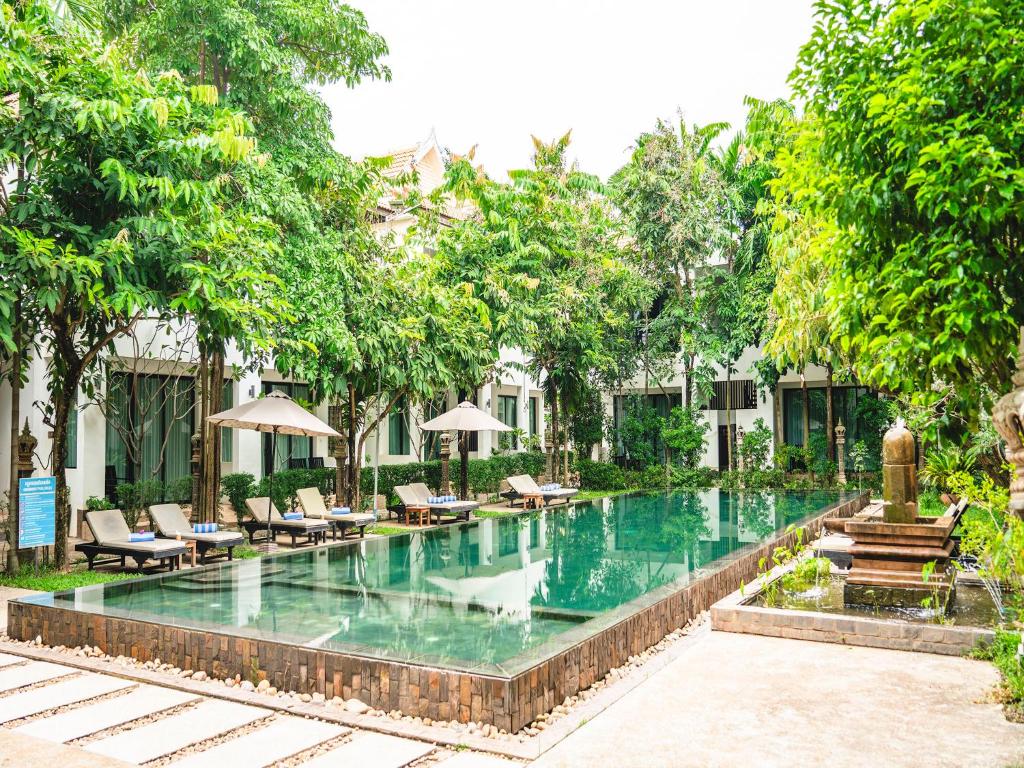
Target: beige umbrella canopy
<point>465,417</point>
<point>278,414</point>
<point>274,413</point>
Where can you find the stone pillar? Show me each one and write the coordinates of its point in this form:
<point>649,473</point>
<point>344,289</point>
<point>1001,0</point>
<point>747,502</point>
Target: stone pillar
<point>840,451</point>
<point>1008,418</point>
<point>197,447</point>
<point>739,444</point>
<point>446,454</point>
<point>549,468</point>
<point>26,450</point>
<point>899,475</point>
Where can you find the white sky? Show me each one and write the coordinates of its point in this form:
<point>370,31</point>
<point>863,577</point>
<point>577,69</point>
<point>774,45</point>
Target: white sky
<point>491,73</point>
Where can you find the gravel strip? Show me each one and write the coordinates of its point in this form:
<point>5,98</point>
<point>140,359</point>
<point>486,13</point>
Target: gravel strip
<point>131,724</point>
<point>202,746</point>
<point>321,748</point>
<point>68,707</point>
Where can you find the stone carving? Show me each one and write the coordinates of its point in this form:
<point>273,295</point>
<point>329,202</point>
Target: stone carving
<point>1008,418</point>
<point>446,455</point>
<point>899,475</point>
<point>27,443</point>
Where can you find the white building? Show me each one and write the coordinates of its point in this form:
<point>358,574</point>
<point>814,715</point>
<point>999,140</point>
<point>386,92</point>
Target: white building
<point>139,423</point>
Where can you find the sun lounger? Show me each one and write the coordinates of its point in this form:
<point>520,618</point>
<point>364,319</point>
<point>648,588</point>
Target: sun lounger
<point>314,530</point>
<point>313,506</point>
<point>112,535</point>
<point>524,485</point>
<point>171,523</point>
<point>417,494</point>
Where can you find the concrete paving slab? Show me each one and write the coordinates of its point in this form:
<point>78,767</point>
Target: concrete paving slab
<point>372,749</point>
<point>477,760</point>
<point>58,694</point>
<point>744,700</point>
<point>6,659</point>
<point>92,718</point>
<point>209,718</point>
<point>34,672</point>
<point>18,751</point>
<point>278,740</point>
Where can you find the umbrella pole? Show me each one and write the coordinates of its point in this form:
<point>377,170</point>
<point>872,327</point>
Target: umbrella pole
<point>270,480</point>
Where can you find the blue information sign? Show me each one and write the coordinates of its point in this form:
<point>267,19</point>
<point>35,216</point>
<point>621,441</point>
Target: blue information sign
<point>37,505</point>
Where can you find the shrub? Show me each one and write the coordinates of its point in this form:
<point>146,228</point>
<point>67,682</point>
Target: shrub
<point>134,498</point>
<point>288,481</point>
<point>756,447</point>
<point>94,503</point>
<point>685,434</point>
<point>698,477</point>
<point>179,490</point>
<point>238,487</point>
<point>600,475</point>
<point>639,430</point>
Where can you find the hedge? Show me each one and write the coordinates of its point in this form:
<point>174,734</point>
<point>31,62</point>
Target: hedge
<point>485,476</point>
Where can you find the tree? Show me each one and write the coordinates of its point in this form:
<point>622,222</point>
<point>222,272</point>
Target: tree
<point>547,243</point>
<point>118,215</point>
<point>915,169</point>
<point>672,196</point>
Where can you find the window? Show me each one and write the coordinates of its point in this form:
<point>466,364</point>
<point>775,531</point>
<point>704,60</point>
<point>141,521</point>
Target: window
<point>398,430</point>
<point>844,407</point>
<point>149,426</point>
<point>71,461</point>
<point>227,450</point>
<point>288,446</point>
<point>534,417</point>
<point>508,414</point>
<point>740,394</point>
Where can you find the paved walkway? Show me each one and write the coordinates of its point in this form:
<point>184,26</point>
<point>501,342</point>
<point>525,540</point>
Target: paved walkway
<point>744,700</point>
<point>52,714</point>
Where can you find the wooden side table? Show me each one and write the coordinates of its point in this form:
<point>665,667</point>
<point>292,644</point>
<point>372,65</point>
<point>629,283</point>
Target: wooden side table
<point>190,549</point>
<point>420,511</point>
<point>533,501</point>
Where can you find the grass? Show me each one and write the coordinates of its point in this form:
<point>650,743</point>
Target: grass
<point>52,580</point>
<point>1002,652</point>
<point>385,530</point>
<point>245,552</point>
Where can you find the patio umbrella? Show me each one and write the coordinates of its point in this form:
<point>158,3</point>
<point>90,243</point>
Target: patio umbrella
<point>277,414</point>
<point>465,417</point>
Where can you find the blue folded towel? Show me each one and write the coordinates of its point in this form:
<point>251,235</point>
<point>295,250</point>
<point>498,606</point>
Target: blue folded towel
<point>204,528</point>
<point>144,536</point>
<point>292,516</point>
<point>551,487</point>
<point>435,500</point>
<point>449,498</point>
<point>341,510</point>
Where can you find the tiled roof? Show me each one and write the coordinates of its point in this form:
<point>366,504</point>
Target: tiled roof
<point>400,160</point>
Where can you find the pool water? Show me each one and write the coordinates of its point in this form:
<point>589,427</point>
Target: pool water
<point>493,596</point>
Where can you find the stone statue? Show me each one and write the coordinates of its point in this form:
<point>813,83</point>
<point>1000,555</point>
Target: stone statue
<point>899,475</point>
<point>1008,418</point>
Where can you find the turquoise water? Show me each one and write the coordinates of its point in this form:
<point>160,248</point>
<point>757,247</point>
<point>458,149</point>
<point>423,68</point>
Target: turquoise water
<point>493,596</point>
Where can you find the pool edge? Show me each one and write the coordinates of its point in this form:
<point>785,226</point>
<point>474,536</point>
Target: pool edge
<point>509,703</point>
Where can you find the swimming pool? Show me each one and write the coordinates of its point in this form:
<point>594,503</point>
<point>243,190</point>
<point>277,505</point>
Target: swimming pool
<point>492,597</point>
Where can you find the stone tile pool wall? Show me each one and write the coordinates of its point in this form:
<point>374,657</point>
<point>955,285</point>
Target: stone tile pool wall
<point>510,702</point>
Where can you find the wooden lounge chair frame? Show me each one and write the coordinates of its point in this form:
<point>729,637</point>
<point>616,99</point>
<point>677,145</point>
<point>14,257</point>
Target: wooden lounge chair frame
<point>167,557</point>
<point>314,534</point>
<point>314,508</point>
<point>204,541</point>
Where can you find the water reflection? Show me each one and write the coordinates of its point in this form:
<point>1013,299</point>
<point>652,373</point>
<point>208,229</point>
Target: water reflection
<point>472,596</point>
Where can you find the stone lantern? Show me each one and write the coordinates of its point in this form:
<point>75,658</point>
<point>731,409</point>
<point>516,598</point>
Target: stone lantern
<point>899,475</point>
<point>739,453</point>
<point>841,451</point>
<point>26,449</point>
<point>1008,419</point>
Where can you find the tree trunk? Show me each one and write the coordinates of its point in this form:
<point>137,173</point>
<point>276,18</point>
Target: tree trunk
<point>806,419</point>
<point>554,436</point>
<point>58,459</point>
<point>689,380</point>
<point>12,494</point>
<point>565,445</point>
<point>352,489</point>
<point>830,435</point>
<point>728,414</point>
<point>211,373</point>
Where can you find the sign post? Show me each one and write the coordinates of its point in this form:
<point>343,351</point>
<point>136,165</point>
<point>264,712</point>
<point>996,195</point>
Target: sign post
<point>37,508</point>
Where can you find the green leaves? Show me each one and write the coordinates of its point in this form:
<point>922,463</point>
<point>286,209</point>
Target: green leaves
<point>913,169</point>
